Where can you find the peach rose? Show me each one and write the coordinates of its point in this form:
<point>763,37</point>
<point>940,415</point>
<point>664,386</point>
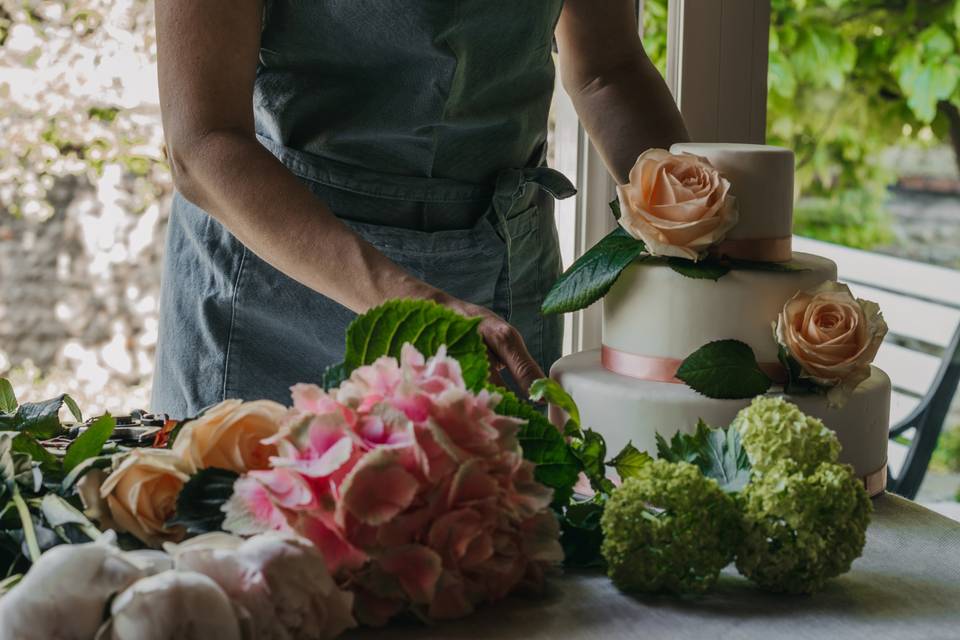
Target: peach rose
<point>230,436</point>
<point>832,336</point>
<point>142,494</point>
<point>679,205</point>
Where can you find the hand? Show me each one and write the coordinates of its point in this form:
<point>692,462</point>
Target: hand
<point>505,346</point>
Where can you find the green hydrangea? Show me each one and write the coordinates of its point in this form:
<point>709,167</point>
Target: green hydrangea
<point>669,528</point>
<point>773,429</point>
<point>801,529</point>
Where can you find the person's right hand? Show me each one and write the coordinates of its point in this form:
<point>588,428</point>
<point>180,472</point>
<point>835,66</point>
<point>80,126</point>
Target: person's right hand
<point>505,346</point>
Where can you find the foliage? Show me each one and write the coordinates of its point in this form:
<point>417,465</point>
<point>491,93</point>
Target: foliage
<point>773,429</point>
<point>801,530</point>
<point>37,507</point>
<point>946,457</point>
<point>87,104</point>
<point>200,501</point>
<point>718,453</point>
<point>847,80</point>
<point>426,325</point>
<point>669,528</point>
<point>724,369</point>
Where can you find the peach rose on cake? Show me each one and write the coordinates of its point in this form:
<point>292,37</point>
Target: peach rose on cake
<point>231,436</point>
<point>677,204</point>
<point>832,336</point>
<point>142,492</point>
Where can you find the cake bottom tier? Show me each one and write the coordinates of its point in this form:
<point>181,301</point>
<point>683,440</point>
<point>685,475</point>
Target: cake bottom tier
<point>626,409</point>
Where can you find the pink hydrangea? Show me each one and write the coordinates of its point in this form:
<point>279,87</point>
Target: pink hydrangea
<point>412,486</point>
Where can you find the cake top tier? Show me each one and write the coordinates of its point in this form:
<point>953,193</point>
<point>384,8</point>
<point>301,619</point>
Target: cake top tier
<point>761,179</point>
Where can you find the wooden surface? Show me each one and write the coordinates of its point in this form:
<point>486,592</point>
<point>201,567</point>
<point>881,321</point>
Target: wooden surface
<point>906,585</point>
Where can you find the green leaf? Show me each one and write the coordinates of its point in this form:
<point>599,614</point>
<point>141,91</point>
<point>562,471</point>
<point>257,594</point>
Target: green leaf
<point>725,460</point>
<point>543,445</point>
<point>90,443</point>
<point>200,501</point>
<point>549,390</point>
<point>591,450</point>
<point>615,208</point>
<point>8,399</point>
<point>725,369</point>
<point>684,447</point>
<point>39,419</point>
<point>581,535</point>
<point>59,513</point>
<point>590,278</point>
<point>629,461</point>
<point>718,453</point>
<point>26,444</point>
<point>426,325</point>
<point>703,270</point>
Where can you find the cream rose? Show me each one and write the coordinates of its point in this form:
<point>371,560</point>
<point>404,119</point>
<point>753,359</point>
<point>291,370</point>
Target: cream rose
<point>230,436</point>
<point>142,494</point>
<point>679,205</point>
<point>832,336</point>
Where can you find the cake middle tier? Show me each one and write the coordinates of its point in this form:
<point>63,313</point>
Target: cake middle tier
<point>654,311</point>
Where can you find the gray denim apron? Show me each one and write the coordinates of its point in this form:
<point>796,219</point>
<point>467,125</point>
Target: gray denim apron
<point>461,200</point>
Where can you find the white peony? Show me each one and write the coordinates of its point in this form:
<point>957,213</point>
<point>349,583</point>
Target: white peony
<point>281,582</point>
<point>173,605</point>
<point>64,594</point>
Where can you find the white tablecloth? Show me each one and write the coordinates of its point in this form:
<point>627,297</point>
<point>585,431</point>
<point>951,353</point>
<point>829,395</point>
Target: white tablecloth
<point>906,585</point>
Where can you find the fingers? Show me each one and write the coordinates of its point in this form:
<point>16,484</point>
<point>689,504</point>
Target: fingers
<point>507,345</point>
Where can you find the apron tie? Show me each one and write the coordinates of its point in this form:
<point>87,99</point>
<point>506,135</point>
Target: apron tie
<point>510,190</point>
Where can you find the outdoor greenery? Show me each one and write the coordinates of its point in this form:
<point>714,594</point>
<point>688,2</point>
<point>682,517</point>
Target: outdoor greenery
<point>848,79</point>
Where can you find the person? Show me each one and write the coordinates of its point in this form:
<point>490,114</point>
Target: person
<point>331,155</point>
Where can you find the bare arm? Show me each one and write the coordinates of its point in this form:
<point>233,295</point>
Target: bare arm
<point>207,53</point>
<point>619,95</point>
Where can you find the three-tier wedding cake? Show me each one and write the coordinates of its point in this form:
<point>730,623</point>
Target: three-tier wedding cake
<point>717,273</point>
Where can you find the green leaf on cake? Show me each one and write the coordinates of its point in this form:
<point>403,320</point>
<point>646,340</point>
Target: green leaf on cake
<point>591,276</point>
<point>718,453</point>
<point>703,270</point>
<point>200,501</point>
<point>629,461</point>
<point>725,369</point>
<point>426,325</point>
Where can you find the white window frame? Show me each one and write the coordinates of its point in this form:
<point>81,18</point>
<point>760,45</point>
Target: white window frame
<point>717,52</point>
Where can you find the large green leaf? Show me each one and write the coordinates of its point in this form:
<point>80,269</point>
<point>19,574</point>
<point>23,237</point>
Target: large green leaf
<point>39,419</point>
<point>426,325</point>
<point>8,399</point>
<point>200,501</point>
<point>724,369</point>
<point>556,465</point>
<point>90,443</point>
<point>590,278</point>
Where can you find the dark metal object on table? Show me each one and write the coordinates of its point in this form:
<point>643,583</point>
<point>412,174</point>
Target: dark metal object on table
<point>139,428</point>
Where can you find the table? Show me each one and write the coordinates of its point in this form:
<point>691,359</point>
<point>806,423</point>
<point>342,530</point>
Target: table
<point>906,585</point>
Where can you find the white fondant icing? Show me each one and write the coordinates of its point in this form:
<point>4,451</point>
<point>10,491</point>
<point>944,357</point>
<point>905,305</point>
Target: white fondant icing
<point>654,311</point>
<point>761,179</point>
<point>625,410</point>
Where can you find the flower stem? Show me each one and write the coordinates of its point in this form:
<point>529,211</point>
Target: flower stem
<point>29,533</point>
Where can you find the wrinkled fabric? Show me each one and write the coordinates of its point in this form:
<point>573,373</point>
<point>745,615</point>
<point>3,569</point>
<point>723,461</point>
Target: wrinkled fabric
<point>422,125</point>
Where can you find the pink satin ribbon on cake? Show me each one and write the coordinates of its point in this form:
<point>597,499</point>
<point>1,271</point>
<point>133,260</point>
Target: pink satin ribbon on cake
<point>656,369</point>
<point>757,249</point>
